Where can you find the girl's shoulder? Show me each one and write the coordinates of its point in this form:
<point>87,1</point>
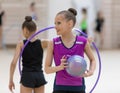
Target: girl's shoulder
<point>20,44</point>
<point>56,38</point>
<point>81,38</point>
<point>44,43</point>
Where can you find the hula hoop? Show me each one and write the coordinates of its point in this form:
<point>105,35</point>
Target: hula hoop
<point>52,27</point>
<point>99,58</point>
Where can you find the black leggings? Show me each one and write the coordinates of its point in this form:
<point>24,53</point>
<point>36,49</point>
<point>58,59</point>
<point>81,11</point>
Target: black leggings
<point>62,91</point>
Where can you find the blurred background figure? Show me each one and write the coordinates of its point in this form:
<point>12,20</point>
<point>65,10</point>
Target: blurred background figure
<point>2,13</point>
<point>33,11</point>
<point>99,25</point>
<point>83,23</point>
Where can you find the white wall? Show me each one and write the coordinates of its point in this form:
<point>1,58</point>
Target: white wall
<point>15,12</point>
<point>97,4</point>
<point>79,4</point>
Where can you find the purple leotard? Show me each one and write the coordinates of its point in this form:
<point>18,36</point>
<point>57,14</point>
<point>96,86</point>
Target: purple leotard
<point>62,77</point>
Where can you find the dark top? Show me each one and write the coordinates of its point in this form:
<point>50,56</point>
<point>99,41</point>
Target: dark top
<point>32,56</point>
<point>1,15</point>
<point>99,24</point>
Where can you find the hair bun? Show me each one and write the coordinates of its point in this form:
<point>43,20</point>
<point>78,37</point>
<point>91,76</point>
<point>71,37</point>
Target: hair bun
<point>28,18</point>
<point>73,11</point>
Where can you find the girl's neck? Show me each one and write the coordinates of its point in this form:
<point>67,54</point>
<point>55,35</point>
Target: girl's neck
<point>68,40</point>
<point>33,39</point>
<point>68,37</point>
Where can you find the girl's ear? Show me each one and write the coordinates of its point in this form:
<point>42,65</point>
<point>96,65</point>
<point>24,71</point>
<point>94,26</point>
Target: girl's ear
<point>70,23</point>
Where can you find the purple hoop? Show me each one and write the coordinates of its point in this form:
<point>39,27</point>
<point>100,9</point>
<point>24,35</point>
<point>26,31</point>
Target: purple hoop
<point>47,28</point>
<point>99,58</point>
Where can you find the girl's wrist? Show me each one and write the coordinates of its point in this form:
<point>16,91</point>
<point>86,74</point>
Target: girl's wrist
<point>91,71</point>
<point>60,68</point>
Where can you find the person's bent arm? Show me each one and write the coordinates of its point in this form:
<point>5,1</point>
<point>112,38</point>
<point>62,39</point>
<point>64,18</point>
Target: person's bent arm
<point>49,58</point>
<point>90,55</point>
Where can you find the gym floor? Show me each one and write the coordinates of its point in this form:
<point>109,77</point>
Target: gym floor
<point>108,82</point>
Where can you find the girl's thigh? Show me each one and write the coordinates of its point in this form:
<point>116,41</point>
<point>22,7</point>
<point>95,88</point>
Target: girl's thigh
<point>24,89</point>
<point>39,89</point>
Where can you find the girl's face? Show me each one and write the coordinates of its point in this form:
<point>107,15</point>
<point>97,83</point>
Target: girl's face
<point>62,26</point>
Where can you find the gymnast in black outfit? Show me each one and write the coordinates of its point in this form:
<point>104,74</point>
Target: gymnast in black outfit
<point>32,78</point>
